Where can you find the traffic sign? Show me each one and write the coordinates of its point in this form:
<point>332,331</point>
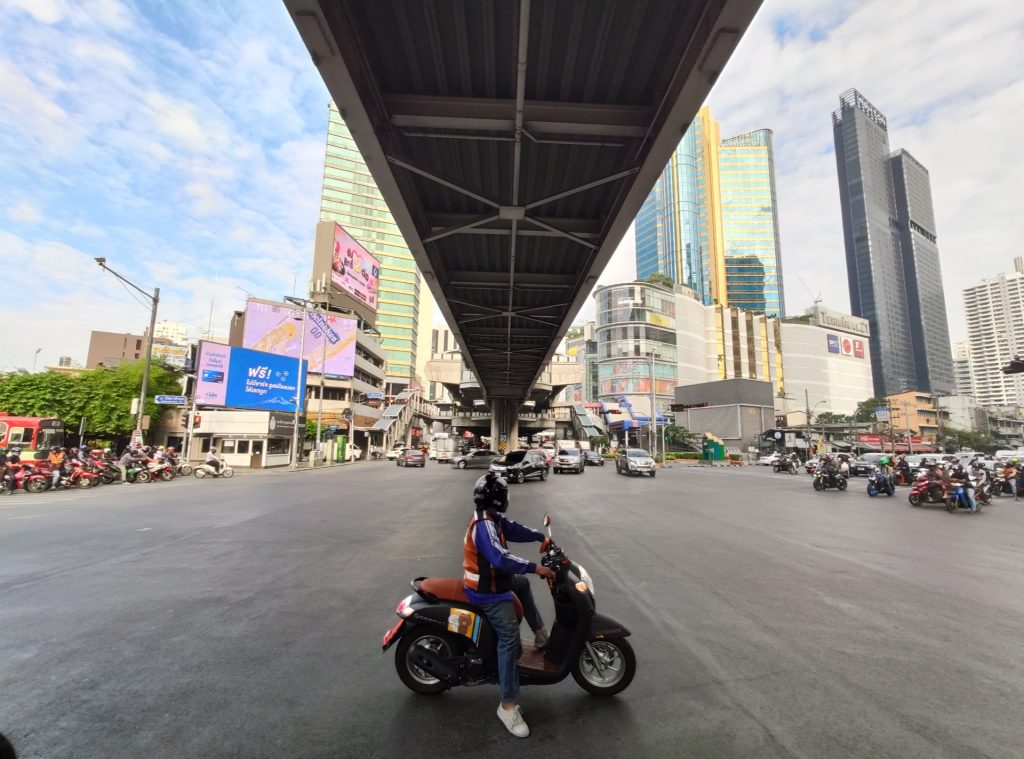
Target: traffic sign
<point>171,400</point>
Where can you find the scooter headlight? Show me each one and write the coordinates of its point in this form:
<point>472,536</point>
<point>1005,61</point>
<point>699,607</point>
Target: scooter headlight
<point>585,577</point>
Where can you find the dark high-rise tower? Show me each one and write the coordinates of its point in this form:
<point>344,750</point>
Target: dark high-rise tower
<point>892,259</point>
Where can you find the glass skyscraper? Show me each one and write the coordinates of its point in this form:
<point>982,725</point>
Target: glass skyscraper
<point>892,257</point>
<point>711,221</point>
<point>350,197</point>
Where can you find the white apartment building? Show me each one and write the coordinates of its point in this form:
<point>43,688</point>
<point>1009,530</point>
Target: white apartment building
<point>828,362</point>
<point>962,368</point>
<point>995,334</point>
<point>176,332</point>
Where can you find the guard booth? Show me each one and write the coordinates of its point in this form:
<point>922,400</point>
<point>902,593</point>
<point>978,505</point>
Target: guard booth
<point>713,448</point>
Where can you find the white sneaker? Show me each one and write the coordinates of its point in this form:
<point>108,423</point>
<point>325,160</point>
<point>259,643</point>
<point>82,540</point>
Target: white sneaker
<point>513,720</point>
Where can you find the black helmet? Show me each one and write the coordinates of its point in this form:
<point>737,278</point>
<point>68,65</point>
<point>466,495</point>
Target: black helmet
<point>491,492</point>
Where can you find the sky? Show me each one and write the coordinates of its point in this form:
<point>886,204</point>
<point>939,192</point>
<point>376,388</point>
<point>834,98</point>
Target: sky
<point>184,142</point>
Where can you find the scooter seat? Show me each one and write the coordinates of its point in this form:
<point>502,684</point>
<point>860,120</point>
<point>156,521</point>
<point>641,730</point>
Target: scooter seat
<point>454,590</point>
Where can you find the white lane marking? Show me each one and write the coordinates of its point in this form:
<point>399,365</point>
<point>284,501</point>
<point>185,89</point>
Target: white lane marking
<point>144,529</point>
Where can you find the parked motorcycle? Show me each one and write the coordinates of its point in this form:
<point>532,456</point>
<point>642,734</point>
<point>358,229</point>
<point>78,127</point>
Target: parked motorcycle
<point>825,480</point>
<point>880,483</point>
<point>789,466</point>
<point>445,641</point>
<point>185,470</point>
<point>204,470</point>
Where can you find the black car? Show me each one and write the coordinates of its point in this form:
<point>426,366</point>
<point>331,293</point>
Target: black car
<point>518,465</point>
<point>593,458</point>
<point>569,460</point>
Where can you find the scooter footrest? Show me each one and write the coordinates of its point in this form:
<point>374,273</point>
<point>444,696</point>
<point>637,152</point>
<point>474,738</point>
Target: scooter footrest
<point>533,658</point>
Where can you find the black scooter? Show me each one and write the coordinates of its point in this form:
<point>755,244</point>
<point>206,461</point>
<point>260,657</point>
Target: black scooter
<point>444,641</point>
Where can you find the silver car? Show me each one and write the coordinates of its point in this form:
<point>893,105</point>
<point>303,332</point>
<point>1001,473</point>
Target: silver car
<point>634,461</point>
<point>480,459</point>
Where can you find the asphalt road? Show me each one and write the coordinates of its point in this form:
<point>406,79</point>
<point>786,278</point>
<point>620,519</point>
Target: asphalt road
<point>243,619</point>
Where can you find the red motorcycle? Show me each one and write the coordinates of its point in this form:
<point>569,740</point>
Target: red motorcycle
<point>80,476</point>
<point>921,492</point>
<point>25,477</point>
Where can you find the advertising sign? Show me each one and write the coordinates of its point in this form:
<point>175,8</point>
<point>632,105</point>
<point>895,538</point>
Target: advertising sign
<point>847,345</point>
<point>274,328</point>
<point>244,378</point>
<point>833,343</point>
<point>858,348</point>
<point>174,355</point>
<point>354,269</point>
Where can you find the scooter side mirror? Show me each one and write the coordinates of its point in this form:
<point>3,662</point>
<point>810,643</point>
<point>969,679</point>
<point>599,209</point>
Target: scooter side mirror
<point>547,520</point>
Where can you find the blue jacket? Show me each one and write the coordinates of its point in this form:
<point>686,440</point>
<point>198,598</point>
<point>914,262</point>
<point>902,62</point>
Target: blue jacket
<point>489,536</point>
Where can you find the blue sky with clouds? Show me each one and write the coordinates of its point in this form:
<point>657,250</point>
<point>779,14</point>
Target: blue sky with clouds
<point>184,142</point>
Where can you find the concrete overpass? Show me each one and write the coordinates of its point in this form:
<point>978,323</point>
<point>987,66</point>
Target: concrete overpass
<point>514,142</point>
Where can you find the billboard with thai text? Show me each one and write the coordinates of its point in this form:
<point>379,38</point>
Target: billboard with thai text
<point>277,328</point>
<point>242,378</point>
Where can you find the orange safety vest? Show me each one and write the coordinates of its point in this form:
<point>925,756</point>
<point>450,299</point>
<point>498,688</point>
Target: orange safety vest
<point>478,573</point>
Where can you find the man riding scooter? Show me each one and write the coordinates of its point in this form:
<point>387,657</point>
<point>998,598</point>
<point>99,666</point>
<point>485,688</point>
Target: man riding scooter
<point>491,575</point>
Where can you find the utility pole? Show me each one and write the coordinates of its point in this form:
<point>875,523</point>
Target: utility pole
<point>301,303</point>
<point>807,422</point>
<point>155,302</point>
<point>906,420</point>
<point>938,421</point>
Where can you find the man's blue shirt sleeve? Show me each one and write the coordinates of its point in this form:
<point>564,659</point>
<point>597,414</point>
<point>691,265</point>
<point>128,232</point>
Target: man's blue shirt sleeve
<point>490,546</point>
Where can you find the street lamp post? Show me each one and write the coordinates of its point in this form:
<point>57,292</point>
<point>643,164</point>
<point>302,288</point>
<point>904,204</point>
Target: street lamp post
<point>155,301</point>
<point>36,358</point>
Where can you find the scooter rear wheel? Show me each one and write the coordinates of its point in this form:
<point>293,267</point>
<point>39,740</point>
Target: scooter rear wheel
<point>413,677</point>
<point>618,666</point>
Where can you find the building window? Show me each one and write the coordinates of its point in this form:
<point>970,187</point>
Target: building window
<point>243,445</point>
<point>278,445</point>
<point>228,446</point>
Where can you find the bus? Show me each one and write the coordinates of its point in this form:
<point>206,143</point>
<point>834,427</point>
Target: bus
<point>32,434</point>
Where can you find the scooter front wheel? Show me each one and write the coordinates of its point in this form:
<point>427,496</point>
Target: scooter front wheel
<point>613,670</point>
<point>415,678</point>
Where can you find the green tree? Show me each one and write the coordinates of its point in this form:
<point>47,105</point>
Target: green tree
<point>829,417</point>
<point>573,333</point>
<point>103,396</point>
<point>679,437</point>
<point>866,409</point>
<point>659,279</point>
<point>598,441</point>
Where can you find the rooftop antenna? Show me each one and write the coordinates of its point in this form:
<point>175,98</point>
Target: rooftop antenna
<point>815,298</point>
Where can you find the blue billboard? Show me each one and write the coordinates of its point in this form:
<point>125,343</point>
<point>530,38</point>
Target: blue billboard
<point>833,344</point>
<point>243,378</point>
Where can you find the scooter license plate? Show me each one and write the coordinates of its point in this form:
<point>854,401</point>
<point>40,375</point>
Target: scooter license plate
<point>389,636</point>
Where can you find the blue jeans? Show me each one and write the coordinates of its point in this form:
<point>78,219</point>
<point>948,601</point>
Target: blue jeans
<point>502,616</point>
<point>969,497</point>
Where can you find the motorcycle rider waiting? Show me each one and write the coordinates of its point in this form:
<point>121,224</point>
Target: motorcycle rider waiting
<point>126,460</point>
<point>212,460</point>
<point>957,476</point>
<point>936,483</point>
<point>885,468</point>
<point>1011,473</point>
<point>56,461</point>
<point>491,575</point>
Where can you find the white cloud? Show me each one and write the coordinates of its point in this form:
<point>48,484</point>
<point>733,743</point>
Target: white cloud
<point>946,101</point>
<point>24,211</point>
<point>46,11</point>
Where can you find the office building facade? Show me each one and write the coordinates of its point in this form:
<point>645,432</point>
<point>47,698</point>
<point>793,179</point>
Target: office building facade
<point>892,259</point>
<point>692,343</point>
<point>995,335</point>
<point>351,198</point>
<point>711,222</point>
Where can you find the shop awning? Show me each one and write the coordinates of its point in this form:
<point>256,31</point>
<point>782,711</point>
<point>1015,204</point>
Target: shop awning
<point>383,425</point>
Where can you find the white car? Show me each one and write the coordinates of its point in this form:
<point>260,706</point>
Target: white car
<point>769,460</point>
<point>393,453</point>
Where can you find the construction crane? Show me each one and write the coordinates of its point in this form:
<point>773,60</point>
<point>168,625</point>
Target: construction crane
<point>815,298</point>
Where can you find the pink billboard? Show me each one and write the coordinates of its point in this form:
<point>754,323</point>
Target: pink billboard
<point>276,328</point>
<point>354,269</point>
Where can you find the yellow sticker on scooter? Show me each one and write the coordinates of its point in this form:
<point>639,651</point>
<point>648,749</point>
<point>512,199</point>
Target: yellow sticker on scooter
<point>464,623</point>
